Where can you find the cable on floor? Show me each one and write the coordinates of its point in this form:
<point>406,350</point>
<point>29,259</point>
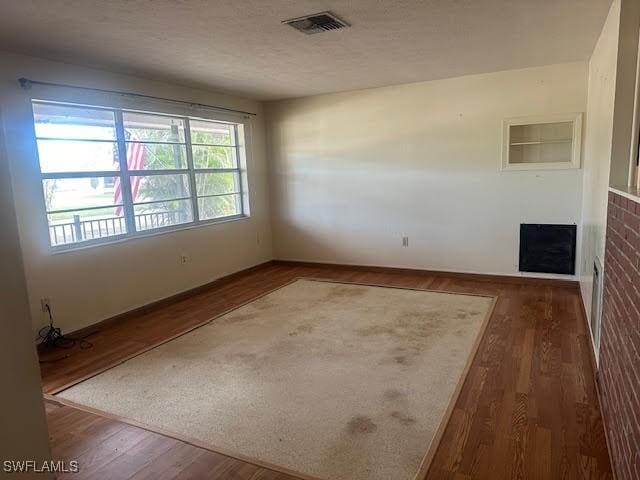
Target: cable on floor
<point>52,337</point>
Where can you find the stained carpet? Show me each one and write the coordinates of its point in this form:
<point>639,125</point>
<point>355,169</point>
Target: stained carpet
<point>331,380</point>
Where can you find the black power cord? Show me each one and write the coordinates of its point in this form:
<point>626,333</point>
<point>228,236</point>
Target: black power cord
<point>52,337</point>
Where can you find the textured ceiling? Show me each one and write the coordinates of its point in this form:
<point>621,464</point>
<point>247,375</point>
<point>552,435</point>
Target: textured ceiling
<point>241,46</point>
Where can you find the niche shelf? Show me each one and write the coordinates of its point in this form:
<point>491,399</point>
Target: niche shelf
<point>548,142</point>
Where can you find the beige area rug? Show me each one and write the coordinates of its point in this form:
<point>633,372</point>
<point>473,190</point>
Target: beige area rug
<point>330,380</point>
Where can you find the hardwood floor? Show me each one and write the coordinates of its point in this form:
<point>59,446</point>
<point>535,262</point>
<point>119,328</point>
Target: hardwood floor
<point>528,408</point>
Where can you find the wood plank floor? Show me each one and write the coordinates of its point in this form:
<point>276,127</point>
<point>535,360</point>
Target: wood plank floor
<point>528,408</point>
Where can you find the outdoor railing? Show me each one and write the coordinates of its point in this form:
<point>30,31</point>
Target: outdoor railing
<point>81,230</point>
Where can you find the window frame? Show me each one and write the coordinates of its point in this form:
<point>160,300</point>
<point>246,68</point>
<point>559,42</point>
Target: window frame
<point>239,146</point>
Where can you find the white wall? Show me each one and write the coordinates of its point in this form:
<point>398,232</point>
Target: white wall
<point>88,285</point>
<point>354,172</point>
<point>597,149</point>
<point>627,30</point>
<point>23,435</point>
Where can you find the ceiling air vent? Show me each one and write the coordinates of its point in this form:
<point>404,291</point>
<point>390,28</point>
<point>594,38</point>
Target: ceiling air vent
<point>316,23</point>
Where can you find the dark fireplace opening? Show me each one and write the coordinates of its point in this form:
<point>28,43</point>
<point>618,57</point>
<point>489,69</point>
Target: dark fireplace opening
<point>547,248</point>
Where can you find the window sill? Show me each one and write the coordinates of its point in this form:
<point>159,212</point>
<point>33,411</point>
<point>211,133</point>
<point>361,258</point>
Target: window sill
<point>632,193</point>
<point>61,249</point>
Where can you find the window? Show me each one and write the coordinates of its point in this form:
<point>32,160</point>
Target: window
<point>111,173</point>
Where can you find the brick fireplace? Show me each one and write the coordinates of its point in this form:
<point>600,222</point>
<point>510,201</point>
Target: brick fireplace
<point>619,369</point>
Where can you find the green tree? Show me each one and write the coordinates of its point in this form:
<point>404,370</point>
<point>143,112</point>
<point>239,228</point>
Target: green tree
<point>209,151</point>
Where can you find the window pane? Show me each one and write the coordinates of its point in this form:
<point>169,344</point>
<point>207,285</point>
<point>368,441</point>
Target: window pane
<point>64,121</point>
<point>153,188</point>
<point>77,156</point>
<point>216,183</point>
<point>162,214</point>
<point>157,128</point>
<point>156,156</point>
<point>71,193</point>
<point>71,227</point>
<point>217,207</point>
<point>211,133</point>
<point>214,157</point>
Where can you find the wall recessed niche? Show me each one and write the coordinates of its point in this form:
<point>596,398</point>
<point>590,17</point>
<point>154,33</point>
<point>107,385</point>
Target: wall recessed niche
<point>541,143</point>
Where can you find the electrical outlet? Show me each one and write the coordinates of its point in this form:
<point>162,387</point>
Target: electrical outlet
<point>44,302</point>
<point>405,241</point>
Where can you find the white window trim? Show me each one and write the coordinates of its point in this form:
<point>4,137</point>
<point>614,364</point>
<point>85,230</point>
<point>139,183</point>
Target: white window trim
<point>242,157</point>
<point>116,239</point>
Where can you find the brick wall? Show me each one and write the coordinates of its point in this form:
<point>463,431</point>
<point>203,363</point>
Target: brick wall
<point>619,372</point>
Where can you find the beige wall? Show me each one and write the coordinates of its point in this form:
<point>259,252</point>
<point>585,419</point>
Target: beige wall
<point>23,431</point>
<point>88,285</point>
<point>354,172</point>
<point>597,149</point>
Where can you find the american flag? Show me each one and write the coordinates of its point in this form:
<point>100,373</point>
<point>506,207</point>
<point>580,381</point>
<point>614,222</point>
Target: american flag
<point>135,161</point>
